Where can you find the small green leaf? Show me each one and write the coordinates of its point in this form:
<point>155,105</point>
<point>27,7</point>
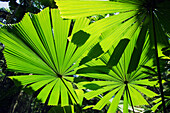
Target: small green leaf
<point>145,91</point>
<point>80,95</point>
<point>106,99</point>
<point>87,107</point>
<point>45,91</point>
<point>137,98</point>
<point>156,106</point>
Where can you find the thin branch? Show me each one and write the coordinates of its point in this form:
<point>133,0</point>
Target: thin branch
<point>69,90</point>
<point>10,19</point>
<point>157,61</point>
<point>17,100</point>
<point>70,93</point>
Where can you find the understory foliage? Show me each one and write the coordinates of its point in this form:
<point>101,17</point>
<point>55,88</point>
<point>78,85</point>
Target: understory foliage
<point>67,59</point>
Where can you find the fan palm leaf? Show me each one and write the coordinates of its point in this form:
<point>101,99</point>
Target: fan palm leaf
<point>40,45</point>
<point>131,14</point>
<point>116,80</point>
<point>126,17</point>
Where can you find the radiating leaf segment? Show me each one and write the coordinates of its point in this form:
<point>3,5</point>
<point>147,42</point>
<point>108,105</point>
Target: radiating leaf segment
<point>39,45</point>
<point>126,26</point>
<point>117,80</point>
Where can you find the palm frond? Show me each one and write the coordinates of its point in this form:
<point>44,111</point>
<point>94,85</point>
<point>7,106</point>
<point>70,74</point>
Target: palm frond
<point>116,80</point>
<point>41,45</point>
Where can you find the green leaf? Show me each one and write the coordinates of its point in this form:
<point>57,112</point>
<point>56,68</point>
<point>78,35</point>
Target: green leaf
<point>45,91</point>
<point>27,79</point>
<point>80,95</point>
<point>150,69</point>
<point>94,93</point>
<point>115,101</point>
<point>138,48</point>
<point>75,9</point>
<point>145,82</point>
<point>117,53</point>
<point>145,91</point>
<point>125,102</point>
<point>71,92</point>
<point>157,100</point>
<point>2,24</point>
<point>117,76</point>
<point>64,95</point>
<point>132,22</point>
<point>40,84</point>
<point>105,99</point>
<point>55,94</point>
<point>40,45</point>
<point>87,107</point>
<point>137,98</point>
<point>156,106</point>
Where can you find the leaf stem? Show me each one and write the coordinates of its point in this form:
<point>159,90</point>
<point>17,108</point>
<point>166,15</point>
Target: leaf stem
<point>128,95</point>
<point>72,96</point>
<point>157,61</point>
<point>69,90</point>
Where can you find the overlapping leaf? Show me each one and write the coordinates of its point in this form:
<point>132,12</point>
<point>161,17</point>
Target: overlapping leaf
<point>39,45</point>
<point>117,81</point>
<point>130,15</point>
<point>144,19</point>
